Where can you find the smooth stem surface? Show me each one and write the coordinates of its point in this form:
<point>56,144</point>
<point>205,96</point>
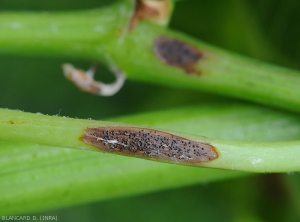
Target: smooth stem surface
<point>101,35</point>
<point>66,132</point>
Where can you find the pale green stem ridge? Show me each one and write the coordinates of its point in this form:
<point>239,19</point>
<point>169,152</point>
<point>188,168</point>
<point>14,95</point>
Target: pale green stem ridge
<point>101,35</point>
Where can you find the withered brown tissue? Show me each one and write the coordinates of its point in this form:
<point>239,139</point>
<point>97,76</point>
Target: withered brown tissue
<point>177,53</point>
<point>151,144</point>
<point>155,11</point>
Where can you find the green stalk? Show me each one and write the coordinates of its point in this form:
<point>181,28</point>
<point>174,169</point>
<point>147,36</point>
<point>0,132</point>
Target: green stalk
<point>101,35</point>
<point>56,177</point>
<point>66,132</point>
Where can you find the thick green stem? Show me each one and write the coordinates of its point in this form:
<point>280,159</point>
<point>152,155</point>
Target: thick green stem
<point>101,35</point>
<point>67,132</point>
<point>57,177</point>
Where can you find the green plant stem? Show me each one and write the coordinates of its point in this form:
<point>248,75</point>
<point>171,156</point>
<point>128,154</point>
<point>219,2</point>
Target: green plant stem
<point>101,35</point>
<point>57,177</point>
<point>66,132</point>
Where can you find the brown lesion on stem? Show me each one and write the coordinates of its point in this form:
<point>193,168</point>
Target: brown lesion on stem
<point>177,53</point>
<point>150,144</point>
<point>157,11</point>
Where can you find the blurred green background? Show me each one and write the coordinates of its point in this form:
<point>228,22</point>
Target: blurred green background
<point>267,30</point>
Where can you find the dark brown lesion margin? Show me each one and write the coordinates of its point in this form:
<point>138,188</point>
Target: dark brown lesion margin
<point>177,53</point>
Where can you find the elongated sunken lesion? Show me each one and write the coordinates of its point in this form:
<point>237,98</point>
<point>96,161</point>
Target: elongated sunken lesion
<point>149,143</point>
